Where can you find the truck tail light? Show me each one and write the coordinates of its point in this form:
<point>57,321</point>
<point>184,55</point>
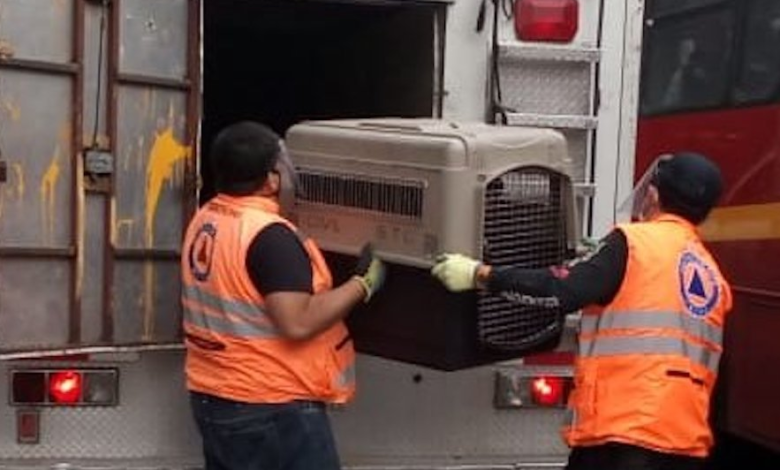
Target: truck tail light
<point>548,391</point>
<point>516,389</point>
<point>546,20</point>
<point>65,387</point>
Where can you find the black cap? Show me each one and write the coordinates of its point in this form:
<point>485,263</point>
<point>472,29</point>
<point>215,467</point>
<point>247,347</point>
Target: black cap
<point>241,156</point>
<point>689,185</point>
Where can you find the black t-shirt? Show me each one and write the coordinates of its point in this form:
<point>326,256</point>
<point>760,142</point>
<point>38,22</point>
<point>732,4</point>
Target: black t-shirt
<point>277,261</point>
<point>593,279</point>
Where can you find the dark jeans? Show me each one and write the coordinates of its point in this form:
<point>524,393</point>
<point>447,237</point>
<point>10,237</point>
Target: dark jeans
<point>614,456</point>
<point>243,436</point>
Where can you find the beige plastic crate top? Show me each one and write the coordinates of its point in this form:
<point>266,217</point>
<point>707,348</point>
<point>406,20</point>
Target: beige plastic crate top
<point>418,187</point>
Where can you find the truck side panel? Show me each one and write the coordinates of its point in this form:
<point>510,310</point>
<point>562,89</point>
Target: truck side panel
<point>98,119</point>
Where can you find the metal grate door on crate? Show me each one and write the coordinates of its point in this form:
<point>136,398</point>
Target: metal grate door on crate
<point>524,225</point>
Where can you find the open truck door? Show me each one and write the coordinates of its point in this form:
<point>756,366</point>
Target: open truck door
<point>99,122</point>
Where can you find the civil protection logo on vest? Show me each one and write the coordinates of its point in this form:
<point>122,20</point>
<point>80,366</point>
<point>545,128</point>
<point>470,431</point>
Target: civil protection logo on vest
<point>699,286</point>
<point>201,252</point>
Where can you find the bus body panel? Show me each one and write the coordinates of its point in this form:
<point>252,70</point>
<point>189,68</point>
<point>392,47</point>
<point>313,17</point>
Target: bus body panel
<point>743,136</point>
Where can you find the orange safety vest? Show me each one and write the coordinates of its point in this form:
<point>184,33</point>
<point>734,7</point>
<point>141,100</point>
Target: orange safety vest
<point>648,361</point>
<point>234,349</point>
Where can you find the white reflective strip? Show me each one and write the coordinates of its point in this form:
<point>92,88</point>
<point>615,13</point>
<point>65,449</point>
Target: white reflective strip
<point>249,311</point>
<point>695,327</point>
<point>226,326</point>
<point>623,345</point>
<point>238,318</point>
<point>347,377</point>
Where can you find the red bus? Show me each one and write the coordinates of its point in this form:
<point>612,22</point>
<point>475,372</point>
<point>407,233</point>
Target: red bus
<point>711,83</point>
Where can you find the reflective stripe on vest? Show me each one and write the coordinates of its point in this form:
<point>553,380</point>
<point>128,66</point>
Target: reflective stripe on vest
<point>650,345</point>
<point>226,317</point>
<point>610,343</point>
<point>347,377</point>
<point>616,320</point>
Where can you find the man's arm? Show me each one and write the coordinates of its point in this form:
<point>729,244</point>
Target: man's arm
<point>281,271</point>
<point>593,279</point>
<point>302,316</point>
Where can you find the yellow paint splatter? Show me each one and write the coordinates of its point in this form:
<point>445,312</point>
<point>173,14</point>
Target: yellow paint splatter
<point>165,154</point>
<point>48,193</point>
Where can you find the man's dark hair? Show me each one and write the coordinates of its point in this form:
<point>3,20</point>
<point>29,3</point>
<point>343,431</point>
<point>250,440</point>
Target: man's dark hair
<point>689,185</point>
<point>241,156</point>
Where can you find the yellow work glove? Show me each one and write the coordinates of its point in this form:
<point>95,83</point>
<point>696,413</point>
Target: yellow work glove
<point>369,271</point>
<point>457,272</point>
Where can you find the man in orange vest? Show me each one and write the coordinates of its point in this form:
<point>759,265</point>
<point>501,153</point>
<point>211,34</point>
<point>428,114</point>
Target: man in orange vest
<point>651,334</point>
<point>266,345</point>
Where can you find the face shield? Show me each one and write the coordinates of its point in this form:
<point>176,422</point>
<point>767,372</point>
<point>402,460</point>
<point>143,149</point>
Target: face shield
<point>638,206</point>
<point>290,184</point>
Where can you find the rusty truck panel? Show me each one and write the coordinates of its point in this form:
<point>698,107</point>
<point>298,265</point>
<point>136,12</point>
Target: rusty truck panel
<point>98,129</point>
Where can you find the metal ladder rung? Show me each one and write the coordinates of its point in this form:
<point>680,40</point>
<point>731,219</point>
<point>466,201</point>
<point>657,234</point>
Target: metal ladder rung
<point>551,53</point>
<point>550,120</point>
<point>584,189</point>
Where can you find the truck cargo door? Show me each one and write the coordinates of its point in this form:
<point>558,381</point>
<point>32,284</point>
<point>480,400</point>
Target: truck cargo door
<point>98,123</point>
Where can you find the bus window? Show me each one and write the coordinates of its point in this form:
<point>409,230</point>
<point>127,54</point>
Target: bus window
<point>686,62</point>
<point>759,77</point>
<point>658,8</point>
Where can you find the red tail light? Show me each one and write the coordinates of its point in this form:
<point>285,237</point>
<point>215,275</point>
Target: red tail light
<point>547,391</point>
<point>546,20</point>
<point>65,387</point>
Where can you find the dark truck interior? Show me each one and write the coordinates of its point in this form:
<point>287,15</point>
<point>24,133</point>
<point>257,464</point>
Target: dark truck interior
<point>280,62</point>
